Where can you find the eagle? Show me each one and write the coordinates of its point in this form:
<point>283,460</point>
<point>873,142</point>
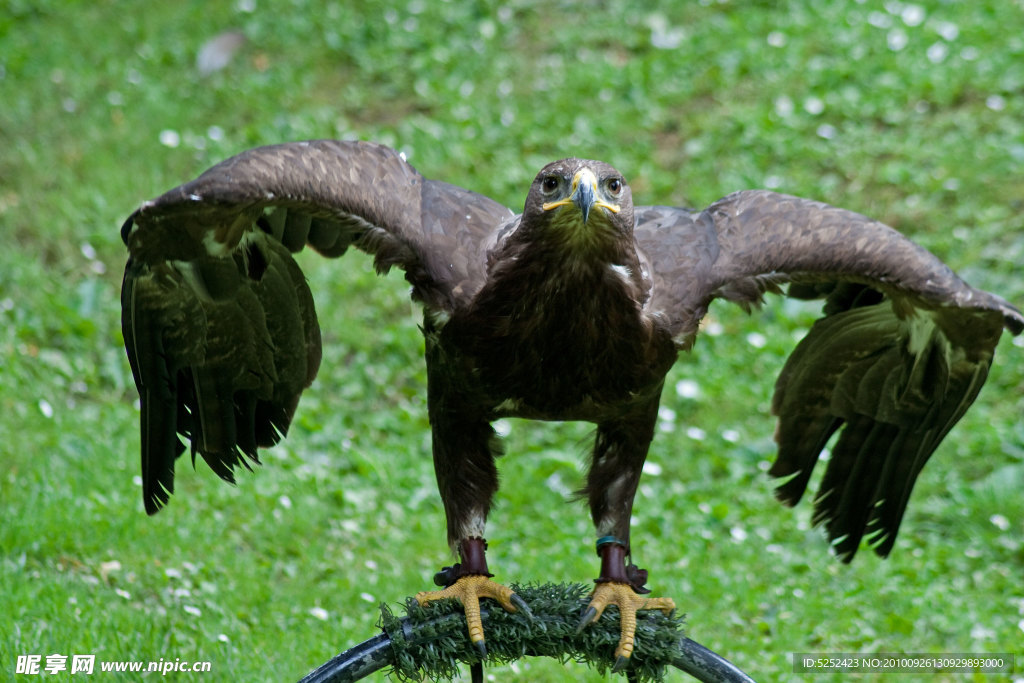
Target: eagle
<point>574,309</point>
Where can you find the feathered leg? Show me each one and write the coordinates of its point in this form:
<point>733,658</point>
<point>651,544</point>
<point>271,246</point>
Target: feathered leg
<point>464,452</point>
<point>619,453</point>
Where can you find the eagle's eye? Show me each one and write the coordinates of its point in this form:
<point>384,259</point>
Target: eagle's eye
<point>614,186</point>
<point>549,184</point>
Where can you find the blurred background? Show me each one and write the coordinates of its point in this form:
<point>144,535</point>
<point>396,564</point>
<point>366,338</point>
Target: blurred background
<point>908,112</point>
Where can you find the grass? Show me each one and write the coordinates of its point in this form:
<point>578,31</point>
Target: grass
<point>906,112</point>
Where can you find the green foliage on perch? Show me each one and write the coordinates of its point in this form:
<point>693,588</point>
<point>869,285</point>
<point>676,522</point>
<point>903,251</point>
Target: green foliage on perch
<point>441,642</point>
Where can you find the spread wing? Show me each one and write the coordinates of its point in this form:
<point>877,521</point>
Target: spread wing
<point>901,352</point>
<point>218,320</point>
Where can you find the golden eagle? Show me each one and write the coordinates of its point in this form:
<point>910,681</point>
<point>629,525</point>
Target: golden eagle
<point>574,309</point>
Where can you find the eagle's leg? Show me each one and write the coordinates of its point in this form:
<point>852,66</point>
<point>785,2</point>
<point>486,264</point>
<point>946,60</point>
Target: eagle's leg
<point>467,478</point>
<point>619,585</point>
<point>619,453</point>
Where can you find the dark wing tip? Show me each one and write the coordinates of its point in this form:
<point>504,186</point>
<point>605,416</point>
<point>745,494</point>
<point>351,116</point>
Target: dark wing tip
<point>156,497</point>
<point>160,448</point>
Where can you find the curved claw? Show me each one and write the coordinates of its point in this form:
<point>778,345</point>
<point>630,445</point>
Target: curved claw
<point>588,617</point>
<point>468,590</point>
<point>628,602</point>
<point>521,606</point>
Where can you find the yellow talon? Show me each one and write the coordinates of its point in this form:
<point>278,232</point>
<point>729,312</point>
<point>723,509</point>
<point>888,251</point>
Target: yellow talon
<point>629,603</point>
<point>468,590</point>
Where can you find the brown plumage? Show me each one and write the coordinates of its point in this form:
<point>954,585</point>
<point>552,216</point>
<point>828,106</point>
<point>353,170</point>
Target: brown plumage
<point>573,310</point>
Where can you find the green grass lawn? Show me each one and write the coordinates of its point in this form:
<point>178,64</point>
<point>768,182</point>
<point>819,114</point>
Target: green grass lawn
<point>910,113</point>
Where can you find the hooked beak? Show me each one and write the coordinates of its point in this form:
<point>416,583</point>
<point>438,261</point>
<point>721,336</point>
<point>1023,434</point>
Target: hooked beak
<point>584,195</point>
<point>584,192</point>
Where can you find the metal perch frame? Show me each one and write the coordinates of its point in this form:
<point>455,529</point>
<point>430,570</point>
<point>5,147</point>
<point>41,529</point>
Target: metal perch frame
<point>408,644</point>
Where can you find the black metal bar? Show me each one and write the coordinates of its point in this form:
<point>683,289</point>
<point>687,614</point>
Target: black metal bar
<point>355,663</point>
<point>374,654</point>
<point>707,666</point>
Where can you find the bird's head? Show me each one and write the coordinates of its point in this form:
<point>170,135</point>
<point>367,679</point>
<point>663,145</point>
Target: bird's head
<point>581,202</point>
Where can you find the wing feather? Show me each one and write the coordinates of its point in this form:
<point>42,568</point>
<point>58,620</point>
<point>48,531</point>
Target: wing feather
<point>900,354</point>
<point>218,320</point>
